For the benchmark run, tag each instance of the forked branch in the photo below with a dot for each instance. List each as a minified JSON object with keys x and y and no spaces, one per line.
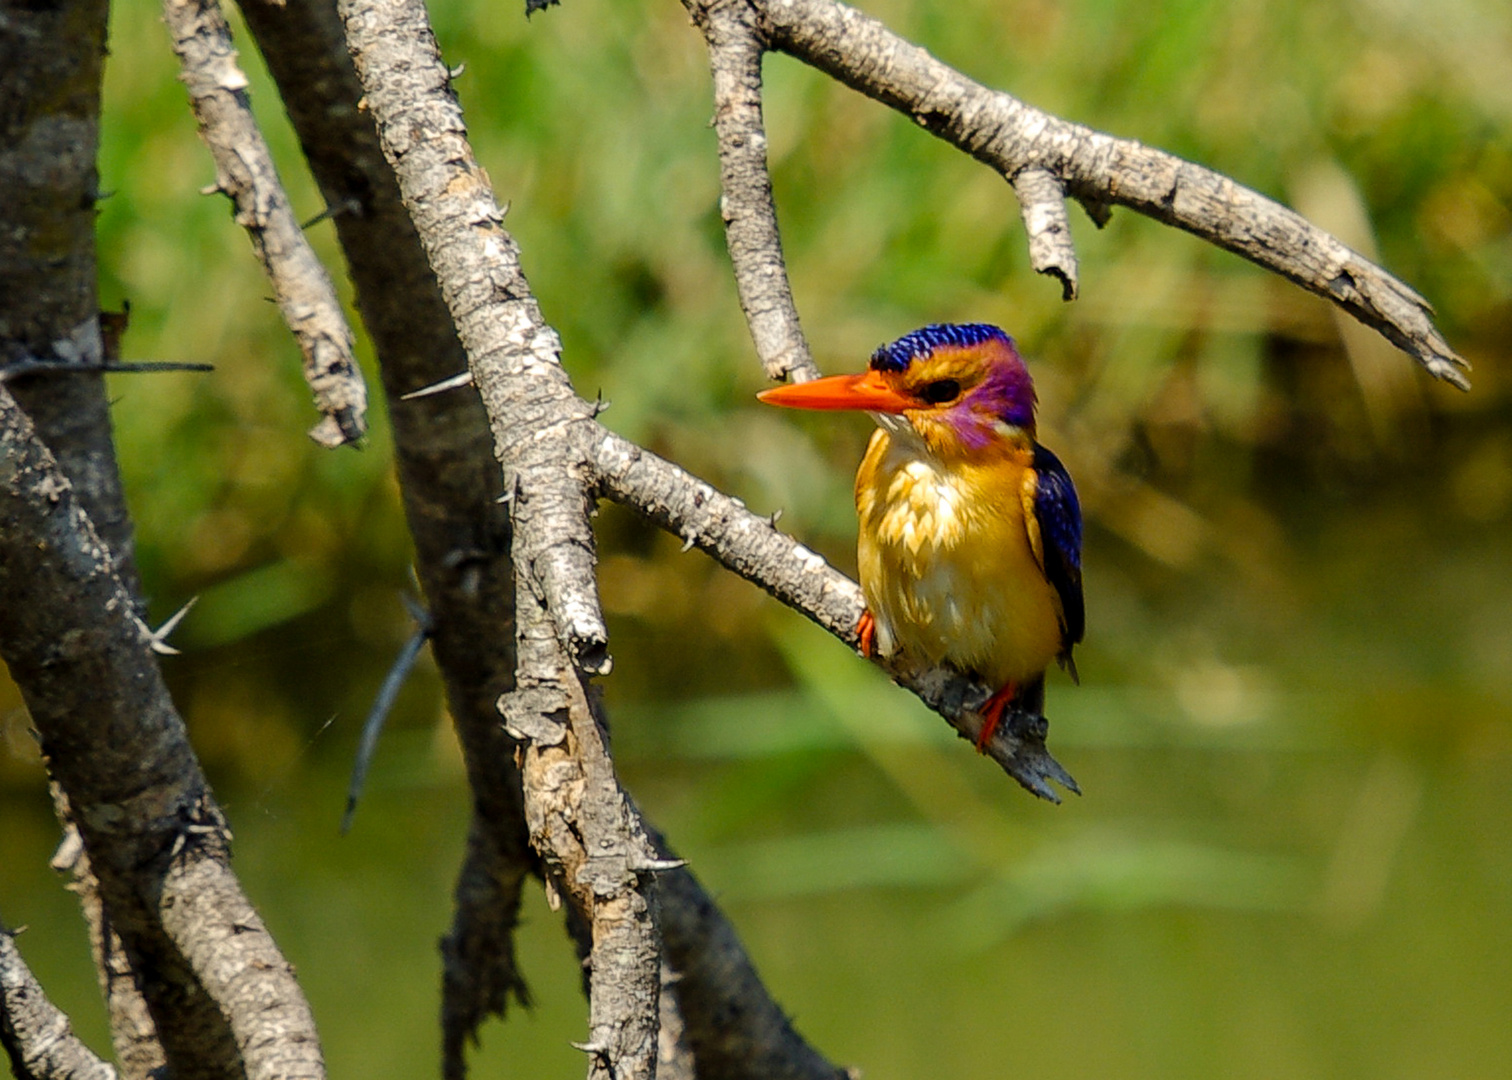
{"x":1045,"y":157}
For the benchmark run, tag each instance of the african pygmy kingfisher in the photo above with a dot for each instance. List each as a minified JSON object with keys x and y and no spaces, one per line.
{"x":969,"y":546}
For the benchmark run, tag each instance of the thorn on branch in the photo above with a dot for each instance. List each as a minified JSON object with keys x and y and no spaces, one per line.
{"x":158,"y":639}
{"x":453,"y":383}
{"x":346,"y":206}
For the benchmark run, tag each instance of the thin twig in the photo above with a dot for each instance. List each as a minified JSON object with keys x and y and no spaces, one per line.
{"x":33,"y":366}
{"x":245,"y":173}
{"x":745,"y":203}
{"x":1101,"y":170}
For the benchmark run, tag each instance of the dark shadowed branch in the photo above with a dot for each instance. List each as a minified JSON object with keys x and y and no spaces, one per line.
{"x":221,"y":996}
{"x":244,"y":171}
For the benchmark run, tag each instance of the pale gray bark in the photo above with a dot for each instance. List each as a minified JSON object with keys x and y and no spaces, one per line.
{"x":244,"y":171}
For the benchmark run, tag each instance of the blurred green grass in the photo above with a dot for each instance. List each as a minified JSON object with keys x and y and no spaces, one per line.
{"x":1295,"y":734}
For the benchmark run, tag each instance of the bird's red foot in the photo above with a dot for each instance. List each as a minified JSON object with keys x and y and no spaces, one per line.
{"x":866,"y":630}
{"x":992,"y":714}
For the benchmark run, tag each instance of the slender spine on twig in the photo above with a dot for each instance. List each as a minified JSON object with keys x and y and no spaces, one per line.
{"x":246,"y":174}
{"x":736,"y":47}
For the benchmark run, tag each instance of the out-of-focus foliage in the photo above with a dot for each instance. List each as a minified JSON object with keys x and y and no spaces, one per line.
{"x":1295,"y":732}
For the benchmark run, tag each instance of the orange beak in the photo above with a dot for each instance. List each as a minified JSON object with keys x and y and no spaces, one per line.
{"x":866,"y":391}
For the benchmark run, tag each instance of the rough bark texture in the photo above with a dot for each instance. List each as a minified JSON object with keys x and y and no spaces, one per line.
{"x":36,"y":1035}
{"x":244,"y":170}
{"x":52,"y":58}
{"x":595,"y":848}
{"x":222,"y":998}
{"x":1042,"y":200}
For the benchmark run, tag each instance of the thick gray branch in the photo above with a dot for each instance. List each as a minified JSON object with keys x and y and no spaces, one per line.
{"x":245,"y":172}
{"x":593,"y":844}
{"x":745,"y":202}
{"x":222,"y":997}
{"x":514,"y":355}
{"x":1101,"y":170}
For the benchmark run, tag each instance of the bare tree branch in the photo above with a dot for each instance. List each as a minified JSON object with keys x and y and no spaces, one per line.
{"x":514,"y":355}
{"x":1101,"y":170}
{"x":221,"y":996}
{"x":766,"y":297}
{"x":246,"y":174}
{"x":36,"y":1034}
{"x":576,"y":812}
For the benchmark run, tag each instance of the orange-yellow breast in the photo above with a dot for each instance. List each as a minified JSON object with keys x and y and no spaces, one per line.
{"x":946,"y":562}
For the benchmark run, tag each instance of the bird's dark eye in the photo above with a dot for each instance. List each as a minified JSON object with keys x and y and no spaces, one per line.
{"x":941,"y":391}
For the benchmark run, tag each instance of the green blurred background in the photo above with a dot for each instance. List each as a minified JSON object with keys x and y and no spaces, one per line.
{"x":1293,"y":858}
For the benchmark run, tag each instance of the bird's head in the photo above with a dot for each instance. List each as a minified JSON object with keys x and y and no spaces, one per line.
{"x":962,"y":389}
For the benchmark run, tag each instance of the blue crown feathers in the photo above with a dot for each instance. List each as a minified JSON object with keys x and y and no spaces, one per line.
{"x":899,"y":354}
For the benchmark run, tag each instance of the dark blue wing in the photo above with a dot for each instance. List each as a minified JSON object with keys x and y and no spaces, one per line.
{"x":1058,"y":514}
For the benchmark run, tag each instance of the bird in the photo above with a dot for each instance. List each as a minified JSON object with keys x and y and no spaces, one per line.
{"x":969,"y":531}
